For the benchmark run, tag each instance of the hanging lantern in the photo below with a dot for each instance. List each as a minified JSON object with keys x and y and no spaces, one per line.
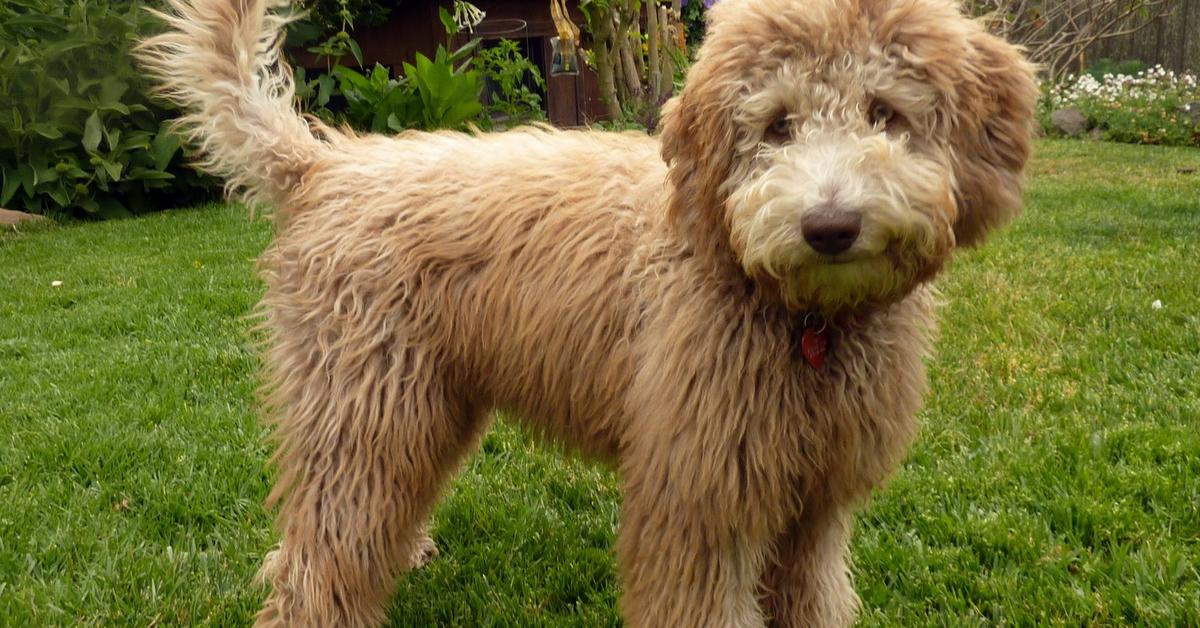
{"x":564,"y":58}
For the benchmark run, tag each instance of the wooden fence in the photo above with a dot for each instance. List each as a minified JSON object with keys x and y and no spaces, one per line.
{"x":1173,"y":41}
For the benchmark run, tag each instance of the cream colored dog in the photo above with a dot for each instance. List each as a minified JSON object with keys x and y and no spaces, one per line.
{"x":735,"y":313}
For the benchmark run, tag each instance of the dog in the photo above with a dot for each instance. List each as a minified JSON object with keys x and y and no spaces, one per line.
{"x":734,"y":313}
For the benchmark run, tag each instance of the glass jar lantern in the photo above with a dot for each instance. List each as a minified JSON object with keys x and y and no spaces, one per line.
{"x":564,"y":59}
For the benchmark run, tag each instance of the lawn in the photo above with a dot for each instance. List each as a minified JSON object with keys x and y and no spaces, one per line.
{"x":1056,"y":479}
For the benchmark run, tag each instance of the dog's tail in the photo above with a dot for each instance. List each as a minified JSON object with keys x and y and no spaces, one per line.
{"x":220,"y":62}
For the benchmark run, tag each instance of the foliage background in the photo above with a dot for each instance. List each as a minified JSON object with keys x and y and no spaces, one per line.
{"x":78,"y":132}
{"x":81,"y":135}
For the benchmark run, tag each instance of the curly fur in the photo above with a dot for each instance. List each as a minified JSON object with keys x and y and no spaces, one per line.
{"x":639,"y":299}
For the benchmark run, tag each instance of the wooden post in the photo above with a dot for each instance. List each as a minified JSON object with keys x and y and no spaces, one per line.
{"x":1181,"y":65}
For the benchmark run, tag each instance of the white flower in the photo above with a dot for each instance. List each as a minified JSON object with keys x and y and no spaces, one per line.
{"x":466,"y":15}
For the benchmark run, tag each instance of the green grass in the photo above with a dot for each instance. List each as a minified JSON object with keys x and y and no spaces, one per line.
{"x":1056,"y":480}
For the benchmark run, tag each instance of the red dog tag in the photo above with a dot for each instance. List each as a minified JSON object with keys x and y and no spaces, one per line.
{"x":814,"y":344}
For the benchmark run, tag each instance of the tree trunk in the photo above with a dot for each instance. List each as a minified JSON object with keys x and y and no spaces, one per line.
{"x":652,"y":34}
{"x":631,"y":83}
{"x":601,"y":39}
{"x":635,"y":42}
{"x":668,"y":46}
{"x":614,"y":57}
{"x":633,"y":78}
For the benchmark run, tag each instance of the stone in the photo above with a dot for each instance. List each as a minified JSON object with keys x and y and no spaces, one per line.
{"x":12,"y":219}
{"x":1070,"y":121}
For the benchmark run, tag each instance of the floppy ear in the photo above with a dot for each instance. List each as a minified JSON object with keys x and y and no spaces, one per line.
{"x":995,"y":128}
{"x":697,"y":145}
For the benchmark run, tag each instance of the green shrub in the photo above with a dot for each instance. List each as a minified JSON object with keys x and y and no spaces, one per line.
{"x":78,"y":133}
{"x":692,"y":13}
{"x":438,"y":93}
{"x":1103,"y":67}
{"x":1147,"y":107}
{"x":509,"y":73}
{"x":328,"y":16}
{"x":432,"y":94}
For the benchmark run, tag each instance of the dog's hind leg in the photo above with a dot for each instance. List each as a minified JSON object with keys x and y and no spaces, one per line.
{"x":808,"y":582}
{"x":368,"y":442}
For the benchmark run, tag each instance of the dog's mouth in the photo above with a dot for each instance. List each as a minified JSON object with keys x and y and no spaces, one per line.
{"x":841,"y":259}
{"x":842,"y":265}
{"x":880,"y":266}
{"x":850,"y":281}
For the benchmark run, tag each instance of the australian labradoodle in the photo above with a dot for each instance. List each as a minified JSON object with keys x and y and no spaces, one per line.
{"x":735,"y":312}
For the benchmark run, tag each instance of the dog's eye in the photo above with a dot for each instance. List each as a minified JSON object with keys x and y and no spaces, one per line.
{"x":882,"y":113}
{"x":779,"y":131}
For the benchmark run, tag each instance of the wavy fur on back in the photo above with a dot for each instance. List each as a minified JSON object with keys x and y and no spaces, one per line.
{"x":640,"y":300}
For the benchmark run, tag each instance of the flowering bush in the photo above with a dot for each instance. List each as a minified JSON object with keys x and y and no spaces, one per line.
{"x":1147,"y":107}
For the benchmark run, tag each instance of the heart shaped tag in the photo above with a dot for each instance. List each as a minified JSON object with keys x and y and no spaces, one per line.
{"x":813,"y":345}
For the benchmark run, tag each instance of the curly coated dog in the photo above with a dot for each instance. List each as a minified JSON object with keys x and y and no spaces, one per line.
{"x":735,"y":313}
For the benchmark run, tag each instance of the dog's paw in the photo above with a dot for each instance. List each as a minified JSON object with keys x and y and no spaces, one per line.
{"x":423,"y":551}
{"x":270,"y":565}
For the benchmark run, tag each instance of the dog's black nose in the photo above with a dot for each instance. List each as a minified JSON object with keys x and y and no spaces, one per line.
{"x":830,"y":230}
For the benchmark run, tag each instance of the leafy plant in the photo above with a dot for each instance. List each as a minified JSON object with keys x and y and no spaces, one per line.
{"x":437,"y":93}
{"x":432,"y":94}
{"x":78,"y":134}
{"x":509,"y":74}
{"x":449,"y":96}
{"x":373,"y":98}
{"x":313,"y":95}
{"x":692,"y":14}
{"x":331,"y":16}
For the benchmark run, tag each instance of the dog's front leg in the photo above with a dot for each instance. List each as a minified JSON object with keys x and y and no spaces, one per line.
{"x":682,"y":563}
{"x":807,"y":584}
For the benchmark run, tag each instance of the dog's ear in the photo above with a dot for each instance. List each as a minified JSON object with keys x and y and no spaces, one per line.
{"x":697,"y":145}
{"x":997,"y":97}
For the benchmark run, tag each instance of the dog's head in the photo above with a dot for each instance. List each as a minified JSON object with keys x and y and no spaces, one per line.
{"x":840,"y":149}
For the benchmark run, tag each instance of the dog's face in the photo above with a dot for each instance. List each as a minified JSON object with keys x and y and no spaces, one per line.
{"x":840,"y":149}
